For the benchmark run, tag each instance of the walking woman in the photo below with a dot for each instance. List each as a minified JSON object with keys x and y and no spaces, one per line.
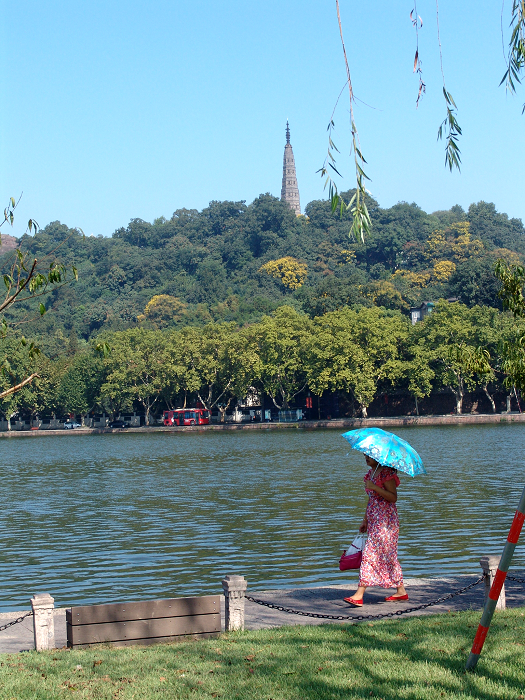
{"x":380,"y":566}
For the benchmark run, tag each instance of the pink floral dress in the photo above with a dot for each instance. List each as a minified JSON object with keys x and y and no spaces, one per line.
{"x":380,"y":566}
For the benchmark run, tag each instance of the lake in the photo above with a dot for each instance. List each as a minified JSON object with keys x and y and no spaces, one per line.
{"x":100,"y":518}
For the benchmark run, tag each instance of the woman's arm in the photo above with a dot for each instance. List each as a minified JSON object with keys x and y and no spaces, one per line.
{"x":364,"y":525}
{"x":389,"y":492}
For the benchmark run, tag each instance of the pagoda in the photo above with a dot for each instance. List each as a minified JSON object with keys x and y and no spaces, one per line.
{"x":289,"y":190}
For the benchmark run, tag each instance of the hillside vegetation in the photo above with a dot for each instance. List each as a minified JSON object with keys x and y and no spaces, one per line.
{"x":233,"y":262}
{"x":209,"y":305}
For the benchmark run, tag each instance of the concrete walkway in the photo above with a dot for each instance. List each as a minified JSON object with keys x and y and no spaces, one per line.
{"x":326,"y":600}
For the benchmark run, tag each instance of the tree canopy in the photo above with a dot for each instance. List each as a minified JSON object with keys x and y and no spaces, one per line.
{"x":237,"y":262}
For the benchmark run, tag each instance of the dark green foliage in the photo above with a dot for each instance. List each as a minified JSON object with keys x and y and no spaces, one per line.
{"x":450,"y":216}
{"x":80,"y":384}
{"x":210,"y":261}
{"x":333,"y":292}
{"x":495,"y":229}
{"x":474,"y":283}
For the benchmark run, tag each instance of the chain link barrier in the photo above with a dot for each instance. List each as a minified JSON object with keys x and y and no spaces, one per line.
{"x":15,"y":622}
{"x":358,"y":618}
{"x":322,"y":616}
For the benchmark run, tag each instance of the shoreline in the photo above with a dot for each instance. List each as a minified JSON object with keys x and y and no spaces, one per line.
{"x":323,"y":600}
{"x":334,"y":423}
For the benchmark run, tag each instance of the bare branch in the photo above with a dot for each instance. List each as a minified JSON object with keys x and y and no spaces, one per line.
{"x":22,"y":384}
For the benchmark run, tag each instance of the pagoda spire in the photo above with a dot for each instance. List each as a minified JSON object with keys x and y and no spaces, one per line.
{"x":289,"y":189}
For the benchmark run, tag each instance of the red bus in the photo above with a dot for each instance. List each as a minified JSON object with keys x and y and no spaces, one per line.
{"x":187,"y":416}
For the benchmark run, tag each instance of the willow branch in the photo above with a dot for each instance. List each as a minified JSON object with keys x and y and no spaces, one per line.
{"x":17,"y":387}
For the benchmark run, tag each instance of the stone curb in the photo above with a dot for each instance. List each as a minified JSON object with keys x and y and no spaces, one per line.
{"x":326,"y":600}
{"x":336,"y":424}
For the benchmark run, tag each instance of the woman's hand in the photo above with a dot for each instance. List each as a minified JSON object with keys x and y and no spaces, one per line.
{"x":388,"y":492}
{"x":364,"y":526}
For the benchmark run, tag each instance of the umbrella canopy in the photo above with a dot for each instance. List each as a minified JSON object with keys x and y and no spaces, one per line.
{"x":387,"y":449}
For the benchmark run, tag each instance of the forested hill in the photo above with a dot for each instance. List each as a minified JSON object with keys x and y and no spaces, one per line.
{"x":236,"y":262}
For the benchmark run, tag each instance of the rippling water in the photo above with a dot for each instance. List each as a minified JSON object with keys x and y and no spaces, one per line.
{"x":100,"y":518}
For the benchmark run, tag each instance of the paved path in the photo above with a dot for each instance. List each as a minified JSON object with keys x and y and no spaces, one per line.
{"x":326,"y":600}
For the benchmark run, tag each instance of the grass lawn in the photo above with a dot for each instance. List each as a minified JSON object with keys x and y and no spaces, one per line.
{"x":415,"y":658}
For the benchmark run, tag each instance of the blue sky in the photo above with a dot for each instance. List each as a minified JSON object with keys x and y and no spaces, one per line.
{"x":116,"y":110}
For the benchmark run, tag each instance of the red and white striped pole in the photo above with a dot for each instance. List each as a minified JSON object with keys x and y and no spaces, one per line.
{"x":497,"y":585}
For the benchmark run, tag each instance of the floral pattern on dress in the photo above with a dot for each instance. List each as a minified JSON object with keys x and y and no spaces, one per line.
{"x":379,"y":566}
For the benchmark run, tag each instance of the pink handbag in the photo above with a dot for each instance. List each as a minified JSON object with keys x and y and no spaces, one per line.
{"x":351,"y":557}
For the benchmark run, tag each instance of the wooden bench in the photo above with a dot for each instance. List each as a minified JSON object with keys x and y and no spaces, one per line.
{"x":145,"y":622}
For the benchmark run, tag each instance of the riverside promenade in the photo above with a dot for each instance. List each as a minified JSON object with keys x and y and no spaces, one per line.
{"x":333,"y":423}
{"x":326,"y":600}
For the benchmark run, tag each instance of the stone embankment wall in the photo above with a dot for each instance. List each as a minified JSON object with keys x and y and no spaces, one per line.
{"x":336,"y":423}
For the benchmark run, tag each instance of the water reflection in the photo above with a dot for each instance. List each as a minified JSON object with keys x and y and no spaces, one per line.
{"x":109,"y":517}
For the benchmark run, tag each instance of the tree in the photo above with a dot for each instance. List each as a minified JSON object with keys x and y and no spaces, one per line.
{"x":211,"y":281}
{"x":344,"y":288}
{"x":138,"y":368}
{"x":355,"y":351}
{"x":512,"y":278}
{"x":417,"y":372}
{"x":454,"y":337}
{"x":282,"y":341}
{"x":14,"y":389}
{"x":268,"y":222}
{"x":219,"y":363}
{"x":384,"y":293}
{"x":79,"y":387}
{"x":289,"y":271}
{"x":25,"y":279}
{"x":495,"y":229}
{"x":474,"y":282}
{"x":163,"y":310}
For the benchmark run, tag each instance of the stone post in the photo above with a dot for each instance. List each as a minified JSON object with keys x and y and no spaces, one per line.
{"x":43,"y":621}
{"x":489,"y":566}
{"x":234,"y":592}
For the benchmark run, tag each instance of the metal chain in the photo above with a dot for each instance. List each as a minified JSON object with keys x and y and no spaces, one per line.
{"x":366,"y":617}
{"x":513,"y":578}
{"x":329,"y":617}
{"x":15,"y":622}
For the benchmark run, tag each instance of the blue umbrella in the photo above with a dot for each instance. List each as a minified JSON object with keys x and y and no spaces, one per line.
{"x":387,"y":449}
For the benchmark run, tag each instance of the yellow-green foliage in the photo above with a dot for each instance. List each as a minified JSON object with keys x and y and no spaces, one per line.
{"x":288,"y":270}
{"x":163,"y":309}
{"x":415,"y":279}
{"x":453,"y":244}
{"x":443,"y":270}
{"x":509,"y":256}
{"x":348,"y":255}
{"x":383,"y":293}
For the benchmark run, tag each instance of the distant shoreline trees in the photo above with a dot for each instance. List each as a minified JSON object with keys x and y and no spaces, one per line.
{"x":359,"y":352}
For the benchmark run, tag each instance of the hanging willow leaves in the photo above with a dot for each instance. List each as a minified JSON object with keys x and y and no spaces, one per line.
{"x":449,"y":126}
{"x":512,"y":278}
{"x":452,"y":131}
{"x":516,"y":56}
{"x":417,"y":23}
{"x":361,"y":222}
{"x":26,"y":279}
